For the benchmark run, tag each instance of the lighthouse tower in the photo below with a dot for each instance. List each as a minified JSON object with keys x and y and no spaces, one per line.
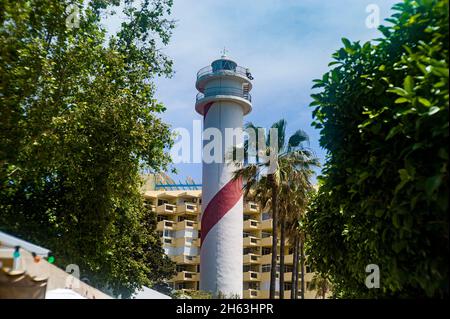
{"x":223,"y":100}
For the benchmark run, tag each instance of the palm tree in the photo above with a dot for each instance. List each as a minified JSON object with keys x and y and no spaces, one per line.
{"x":302,"y":263}
{"x":284,"y":203}
{"x":286,"y":208}
{"x":296,"y":192}
{"x":286,"y":156}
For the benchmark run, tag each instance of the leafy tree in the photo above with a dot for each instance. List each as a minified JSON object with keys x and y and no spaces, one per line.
{"x":78,"y":122}
{"x":383,"y":115}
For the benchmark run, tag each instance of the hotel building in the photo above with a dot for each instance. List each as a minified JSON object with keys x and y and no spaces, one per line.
{"x":178,"y":215}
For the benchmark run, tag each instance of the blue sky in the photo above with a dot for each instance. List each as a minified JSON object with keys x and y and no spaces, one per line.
{"x":285,"y":43}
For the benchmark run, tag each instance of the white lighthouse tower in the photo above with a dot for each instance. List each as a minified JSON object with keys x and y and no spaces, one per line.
{"x":223,"y":101}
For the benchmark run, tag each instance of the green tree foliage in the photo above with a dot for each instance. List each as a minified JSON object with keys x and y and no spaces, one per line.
{"x":383,"y":115}
{"x":78,"y":122}
{"x":191,"y":294}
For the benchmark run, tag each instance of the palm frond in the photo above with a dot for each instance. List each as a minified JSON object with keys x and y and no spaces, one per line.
{"x":297,"y":138}
{"x":280,"y":127}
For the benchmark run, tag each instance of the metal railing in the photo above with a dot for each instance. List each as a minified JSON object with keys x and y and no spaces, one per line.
{"x":207,"y":70}
{"x":224,"y":91}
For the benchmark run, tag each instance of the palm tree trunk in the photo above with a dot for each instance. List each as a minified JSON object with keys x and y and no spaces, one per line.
{"x":302,"y":266}
{"x":282,"y":247}
{"x":273,"y":269}
{"x":294,"y":289}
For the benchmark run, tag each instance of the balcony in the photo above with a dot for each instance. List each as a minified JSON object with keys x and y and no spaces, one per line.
{"x":186,"y":276}
{"x":185,"y":224}
{"x":287,"y":277}
{"x":266,"y":224}
{"x":251,"y":293}
{"x":196,"y":242}
{"x":189,"y":286}
{"x":287,"y":294}
{"x":251,"y":241}
{"x":250,"y":224}
{"x":165,"y":224}
{"x":265,"y":276}
{"x":264,"y":294}
{"x":186,"y":241}
{"x":266,"y":241}
{"x":149,"y":206}
{"x":251,"y":276}
{"x":251,"y":259}
{"x":289,"y":259}
{"x":309,"y":294}
{"x":250,"y":207}
{"x":167,"y":241}
{"x":266,"y":259}
{"x":166,"y":209}
{"x":183,"y":259}
{"x":189,"y":208}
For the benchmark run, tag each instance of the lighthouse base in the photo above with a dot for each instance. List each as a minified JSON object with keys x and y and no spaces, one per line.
{"x":221,"y":256}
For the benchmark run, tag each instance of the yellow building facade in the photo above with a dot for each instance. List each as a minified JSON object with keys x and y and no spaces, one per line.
{"x":179,"y":226}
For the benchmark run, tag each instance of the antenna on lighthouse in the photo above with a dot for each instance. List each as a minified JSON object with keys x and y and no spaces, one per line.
{"x":224,"y":53}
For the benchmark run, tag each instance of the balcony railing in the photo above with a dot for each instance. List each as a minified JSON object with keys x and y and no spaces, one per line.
{"x":266,"y":259}
{"x":251,"y":276}
{"x":266,"y":241}
{"x":266,"y":224}
{"x":187,"y":208}
{"x":251,"y":241}
{"x":166,"y":208}
{"x":186,"y":241}
{"x":185,"y":224}
{"x":250,"y":224}
{"x":186,"y":276}
{"x":251,"y":259}
{"x":250,"y":207}
{"x":239,"y":70}
{"x":196,"y":242}
{"x":165,"y":224}
{"x":213,"y":91}
{"x":251,"y":293}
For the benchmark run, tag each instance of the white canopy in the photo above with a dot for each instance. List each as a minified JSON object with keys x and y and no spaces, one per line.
{"x":147,"y":293}
{"x":11,"y":241}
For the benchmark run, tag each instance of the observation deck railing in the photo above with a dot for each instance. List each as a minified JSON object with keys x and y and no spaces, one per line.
{"x":224,"y":91}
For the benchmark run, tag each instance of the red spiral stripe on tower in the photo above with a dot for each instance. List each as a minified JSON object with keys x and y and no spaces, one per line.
{"x":207,"y":107}
{"x":220,"y":205}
